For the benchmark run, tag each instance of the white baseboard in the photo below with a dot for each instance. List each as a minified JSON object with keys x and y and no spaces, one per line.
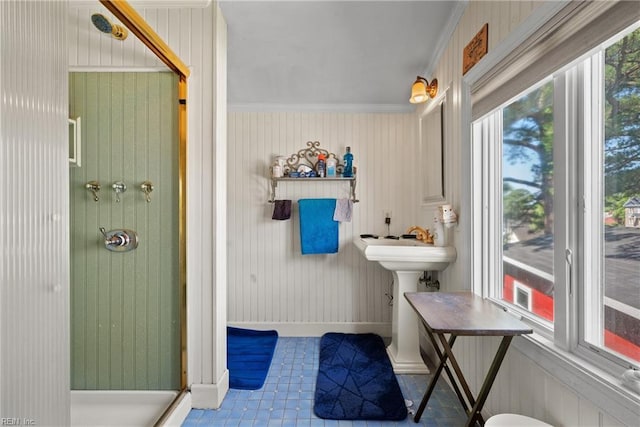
{"x":210,"y":396}
{"x":290,"y":329}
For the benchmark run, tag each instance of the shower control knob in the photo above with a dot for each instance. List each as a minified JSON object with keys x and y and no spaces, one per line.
{"x":120,"y":240}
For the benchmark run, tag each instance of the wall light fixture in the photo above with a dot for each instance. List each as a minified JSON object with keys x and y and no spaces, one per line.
{"x":422,"y":90}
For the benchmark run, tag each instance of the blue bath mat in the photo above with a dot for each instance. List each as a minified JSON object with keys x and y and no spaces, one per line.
{"x":356,"y":380}
{"x":249,"y":355}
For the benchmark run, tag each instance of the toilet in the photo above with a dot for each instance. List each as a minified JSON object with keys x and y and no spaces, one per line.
{"x":514,"y":420}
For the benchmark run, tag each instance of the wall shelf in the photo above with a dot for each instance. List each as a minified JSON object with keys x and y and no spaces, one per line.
{"x":351,"y":181}
{"x":307,"y":159}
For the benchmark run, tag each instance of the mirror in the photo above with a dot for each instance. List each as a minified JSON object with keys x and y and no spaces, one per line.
{"x":431,"y":136}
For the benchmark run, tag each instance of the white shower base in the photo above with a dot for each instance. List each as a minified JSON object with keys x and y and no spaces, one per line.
{"x":118,"y":408}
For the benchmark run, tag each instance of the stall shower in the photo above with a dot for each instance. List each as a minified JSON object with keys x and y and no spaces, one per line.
{"x":124,"y":203}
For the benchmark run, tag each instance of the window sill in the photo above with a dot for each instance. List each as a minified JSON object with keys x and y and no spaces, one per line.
{"x":599,"y":387}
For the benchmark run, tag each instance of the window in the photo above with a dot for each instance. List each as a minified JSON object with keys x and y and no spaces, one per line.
{"x":612,"y":233}
{"x":559,"y":192}
{"x":527,"y":200}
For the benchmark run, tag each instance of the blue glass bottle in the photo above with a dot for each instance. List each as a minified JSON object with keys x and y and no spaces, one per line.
{"x":348,"y":164}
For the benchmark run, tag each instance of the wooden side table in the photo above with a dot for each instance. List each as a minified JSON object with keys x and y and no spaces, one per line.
{"x":463,"y":314}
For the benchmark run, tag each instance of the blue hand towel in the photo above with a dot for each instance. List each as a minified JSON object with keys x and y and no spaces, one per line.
{"x":318,"y":230}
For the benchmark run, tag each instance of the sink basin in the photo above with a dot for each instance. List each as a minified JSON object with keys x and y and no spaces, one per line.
{"x":406,"y":254}
{"x":406,"y":259}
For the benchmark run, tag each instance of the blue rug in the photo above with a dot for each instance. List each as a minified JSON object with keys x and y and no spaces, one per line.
{"x":356,"y":380}
{"x":249,"y":355}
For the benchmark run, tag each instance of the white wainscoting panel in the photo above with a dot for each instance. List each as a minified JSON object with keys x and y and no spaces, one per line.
{"x":34,"y":214}
{"x":269,"y":280}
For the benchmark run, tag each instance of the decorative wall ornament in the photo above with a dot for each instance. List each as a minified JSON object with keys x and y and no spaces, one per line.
{"x":476,"y":49}
{"x":309,"y":157}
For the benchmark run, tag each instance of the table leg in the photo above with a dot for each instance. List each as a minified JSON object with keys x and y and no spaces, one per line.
{"x":488,"y":382}
{"x":432,"y":384}
{"x":454,"y":384}
{"x":463,"y":382}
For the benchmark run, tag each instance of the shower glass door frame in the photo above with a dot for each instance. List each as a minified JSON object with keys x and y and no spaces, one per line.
{"x":138,"y":26}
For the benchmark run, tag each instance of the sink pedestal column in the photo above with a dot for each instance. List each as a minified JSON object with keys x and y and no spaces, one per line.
{"x":406,"y":259}
{"x":404,"y":350}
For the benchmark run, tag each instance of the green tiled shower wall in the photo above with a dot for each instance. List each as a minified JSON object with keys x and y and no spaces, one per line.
{"x":125,"y":322}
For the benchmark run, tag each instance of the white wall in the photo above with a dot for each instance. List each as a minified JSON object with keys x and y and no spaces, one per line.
{"x":34,"y":214}
{"x":198,"y":36}
{"x":522,"y":385}
{"x":270,"y":283}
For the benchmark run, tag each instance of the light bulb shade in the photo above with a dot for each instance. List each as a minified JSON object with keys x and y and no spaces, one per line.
{"x":418,"y":92}
{"x":422,"y":90}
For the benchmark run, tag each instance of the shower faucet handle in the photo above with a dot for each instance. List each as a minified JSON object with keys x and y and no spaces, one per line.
{"x":147,"y":188}
{"x":119,"y":187}
{"x":94,"y":187}
{"x":120,"y":240}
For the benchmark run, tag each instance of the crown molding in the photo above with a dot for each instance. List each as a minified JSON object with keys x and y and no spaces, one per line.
{"x":149,"y":4}
{"x":320,"y":108}
{"x":445,"y":37}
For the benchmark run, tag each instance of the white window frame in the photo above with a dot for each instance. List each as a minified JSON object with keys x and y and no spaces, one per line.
{"x":591,"y":193}
{"x":488,"y":168}
{"x":564,"y":354}
{"x":591,"y":153}
{"x":578,"y":195}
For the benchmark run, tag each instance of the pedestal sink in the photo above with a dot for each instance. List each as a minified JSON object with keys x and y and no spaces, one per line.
{"x":406,"y":259}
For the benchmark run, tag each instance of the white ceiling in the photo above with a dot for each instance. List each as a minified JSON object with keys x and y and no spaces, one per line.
{"x":336,"y":55}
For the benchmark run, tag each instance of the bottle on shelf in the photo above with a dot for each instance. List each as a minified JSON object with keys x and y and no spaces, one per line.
{"x":321,"y":166}
{"x":348,"y":164}
{"x":331,"y":167}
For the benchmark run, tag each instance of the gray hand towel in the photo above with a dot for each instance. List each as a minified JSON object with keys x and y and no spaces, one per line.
{"x":344,"y":207}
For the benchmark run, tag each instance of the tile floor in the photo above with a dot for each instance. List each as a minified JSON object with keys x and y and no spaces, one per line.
{"x":286,"y":399}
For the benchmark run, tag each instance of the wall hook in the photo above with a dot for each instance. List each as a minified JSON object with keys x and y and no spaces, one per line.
{"x":94,"y":187}
{"x":147,"y":188}
{"x":119,"y":187}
